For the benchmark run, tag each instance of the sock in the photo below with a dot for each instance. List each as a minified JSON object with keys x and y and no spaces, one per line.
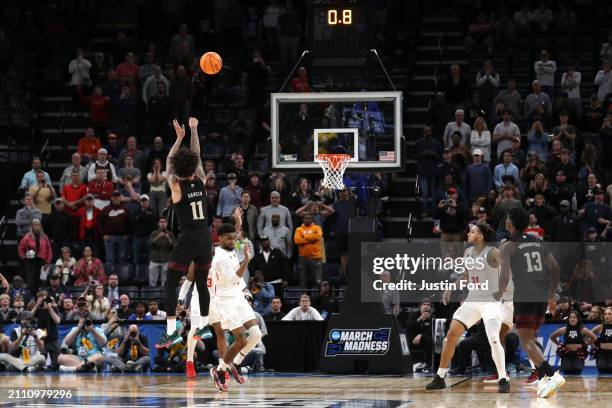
{"x":239,"y":357}
{"x":544,"y":369}
{"x":533,"y":367}
{"x":184,"y":289}
{"x":191,"y":343}
{"x":222,"y":365}
{"x":442,"y":372}
{"x":67,"y":369}
{"x":195,"y":322}
{"x":203,"y":322}
{"x":170,"y":325}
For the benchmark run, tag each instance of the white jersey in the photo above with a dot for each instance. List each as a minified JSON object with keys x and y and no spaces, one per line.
{"x":480,"y":273}
{"x":224,"y":266}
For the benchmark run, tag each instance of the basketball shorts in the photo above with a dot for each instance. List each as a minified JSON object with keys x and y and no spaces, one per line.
{"x":234,"y":311}
{"x":529,"y":315}
{"x":507,"y":313}
{"x":469,"y":313}
{"x":213,"y":315}
{"x":191,"y":246}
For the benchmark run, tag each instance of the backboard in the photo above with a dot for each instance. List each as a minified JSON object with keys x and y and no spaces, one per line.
{"x":366,"y":125}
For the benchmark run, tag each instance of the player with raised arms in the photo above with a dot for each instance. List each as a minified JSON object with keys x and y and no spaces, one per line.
{"x":194,"y":244}
{"x":479,"y":304}
{"x":535,"y":275}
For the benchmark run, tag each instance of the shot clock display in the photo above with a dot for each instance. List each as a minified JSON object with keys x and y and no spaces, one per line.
{"x":339,"y":31}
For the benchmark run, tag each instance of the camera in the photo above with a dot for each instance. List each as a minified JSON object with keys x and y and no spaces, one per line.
{"x":48,"y":299}
{"x":133,"y":334}
{"x":88,"y":322}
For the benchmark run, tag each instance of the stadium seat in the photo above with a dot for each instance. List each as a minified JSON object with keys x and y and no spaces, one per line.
{"x":213,"y":152}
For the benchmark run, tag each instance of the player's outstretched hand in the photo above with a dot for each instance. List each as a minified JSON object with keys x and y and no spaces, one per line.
{"x":238,"y":217}
{"x":180,"y":130}
{"x":245,"y":251}
{"x":193,"y":123}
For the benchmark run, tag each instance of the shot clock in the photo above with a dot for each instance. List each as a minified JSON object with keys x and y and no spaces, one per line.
{"x":339,"y":30}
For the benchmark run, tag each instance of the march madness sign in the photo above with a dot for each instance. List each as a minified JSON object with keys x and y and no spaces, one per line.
{"x":358,"y":342}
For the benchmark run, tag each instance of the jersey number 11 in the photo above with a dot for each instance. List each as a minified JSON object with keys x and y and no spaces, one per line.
{"x":197,"y":210}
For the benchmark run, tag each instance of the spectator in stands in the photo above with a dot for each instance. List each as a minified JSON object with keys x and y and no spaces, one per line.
{"x":288,"y":32}
{"x":265,"y":215}
{"x":29,"y":178}
{"x":440,"y":113}
{"x":25,"y":216}
{"x":101,"y":189}
{"x":487,"y":83}
{"x":302,"y":195}
{"x":561,"y":190}
{"x":456,"y":88}
{"x":539,"y":185}
{"x":582,"y":284}
{"x":503,"y":134}
{"x":319,"y":211}
{"x":481,"y":139}
{"x":43,"y":195}
{"x":89,"y":227}
{"x":6,"y":313}
{"x":535,"y":99}
{"x":596,"y":214}
{"x":505,"y":168}
{"x":255,"y":80}
{"x":503,"y":208}
{"x":479,"y":179}
{"x":27,"y":345}
{"x":74,"y":193}
{"x":518,"y":154}
{"x":103,"y":163}
{"x":606,"y":48}
{"x":35,"y":251}
{"x":140,"y":313}
{"x":132,"y":353}
{"x":452,"y":214}
{"x":19,"y":297}
{"x":88,"y":342}
{"x":124,"y":311}
{"x":281,"y":185}
{"x":272,"y":262}
{"x":89,"y":269}
{"x":566,"y":165}
{"x":593,"y":116}
{"x":113,"y":148}
{"x":566,"y":134}
{"x":99,"y":109}
{"x":161,"y":243}
{"x":112,"y":290}
{"x":538,"y":141}
{"x":159,"y":110}
{"x":60,"y":228}
{"x":159,"y":152}
{"x":565,"y":227}
{"x":279,"y":235}
{"x":570,"y":83}
{"x":237,"y":167}
{"x":129,"y":171}
{"x":390,"y":298}
{"x":214,"y":227}
{"x":545,"y":73}
{"x":154,"y":313}
{"x":115,"y":224}
{"x":99,"y":70}
{"x":146,"y":70}
{"x":542,"y":17}
{"x":66,"y":178}
{"x":56,"y":289}
{"x":523,"y":18}
{"x":325,"y":301}
{"x":419,"y":331}
{"x":458,"y":125}
{"x":150,"y":87}
{"x":299,"y":83}
{"x":127,"y":71}
{"x":304,"y":311}
{"x":533,"y":228}
{"x":262,"y":291}
{"x":249,"y":216}
{"x":229,"y":198}
{"x":511,"y":99}
{"x":256,"y":190}
{"x":100,"y":304}
{"x":133,"y":150}
{"x":89,"y":145}
{"x":182,"y":44}
{"x":308,"y":240}
{"x":428,"y":154}
{"x":276,"y":313}
{"x":181,"y":95}
{"x":212,"y":192}
{"x":157,"y":192}
{"x":603,"y":80}
{"x":79,"y":75}
{"x":142,"y":225}
{"x":66,"y":308}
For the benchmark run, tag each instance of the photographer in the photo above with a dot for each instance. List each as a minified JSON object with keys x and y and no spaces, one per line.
{"x":262,"y":291}
{"x":26,"y":347}
{"x":114,"y":333}
{"x":453,"y":217}
{"x":46,"y":311}
{"x":132,"y":353}
{"x":86,"y":342}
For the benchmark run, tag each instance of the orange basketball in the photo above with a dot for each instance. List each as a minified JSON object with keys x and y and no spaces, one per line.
{"x":211,"y":63}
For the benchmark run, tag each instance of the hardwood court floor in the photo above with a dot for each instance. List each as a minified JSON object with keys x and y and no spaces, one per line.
{"x":299,"y":390}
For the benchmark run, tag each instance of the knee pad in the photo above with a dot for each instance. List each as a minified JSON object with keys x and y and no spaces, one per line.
{"x":254,"y":333}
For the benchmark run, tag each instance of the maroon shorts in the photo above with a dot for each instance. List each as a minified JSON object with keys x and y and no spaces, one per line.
{"x":529,"y":315}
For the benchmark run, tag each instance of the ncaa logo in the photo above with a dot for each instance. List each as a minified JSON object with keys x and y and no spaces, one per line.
{"x":334,"y":335}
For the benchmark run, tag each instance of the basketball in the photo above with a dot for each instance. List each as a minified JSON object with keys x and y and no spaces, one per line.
{"x":211,"y":63}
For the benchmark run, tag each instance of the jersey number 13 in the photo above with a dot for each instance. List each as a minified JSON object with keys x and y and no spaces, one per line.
{"x":197,"y":210}
{"x":534,"y":261}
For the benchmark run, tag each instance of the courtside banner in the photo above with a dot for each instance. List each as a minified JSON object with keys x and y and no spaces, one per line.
{"x":410,"y":272}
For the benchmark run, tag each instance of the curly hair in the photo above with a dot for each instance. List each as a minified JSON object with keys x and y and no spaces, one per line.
{"x":184,"y":162}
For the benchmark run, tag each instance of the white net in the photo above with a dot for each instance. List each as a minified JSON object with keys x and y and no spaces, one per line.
{"x":333,"y":166}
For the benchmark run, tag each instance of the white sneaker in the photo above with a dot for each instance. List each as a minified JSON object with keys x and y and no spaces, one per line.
{"x":558,"y":379}
{"x":547,"y":387}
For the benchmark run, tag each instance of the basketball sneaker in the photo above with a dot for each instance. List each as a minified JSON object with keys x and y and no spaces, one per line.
{"x":169,"y":341}
{"x":190,"y":370}
{"x":547,"y":387}
{"x":437,"y":383}
{"x":559,"y":380}
{"x":503,"y":386}
{"x":532,"y":379}
{"x":492,"y":379}
{"x":203,"y":333}
{"x":219,"y":378}
{"x":235,"y":373}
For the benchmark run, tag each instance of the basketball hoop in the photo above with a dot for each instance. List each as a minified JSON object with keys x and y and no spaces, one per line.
{"x":333,"y":166}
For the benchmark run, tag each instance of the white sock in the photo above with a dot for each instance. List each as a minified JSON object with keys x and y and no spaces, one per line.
{"x":170,"y":325}
{"x":533,"y":367}
{"x":442,"y":372}
{"x":203,"y":321}
{"x":191,"y":343}
{"x":66,"y":369}
{"x":492,"y":327}
{"x":184,"y":289}
{"x":222,"y":365}
{"x":239,"y":357}
{"x":195,"y":322}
